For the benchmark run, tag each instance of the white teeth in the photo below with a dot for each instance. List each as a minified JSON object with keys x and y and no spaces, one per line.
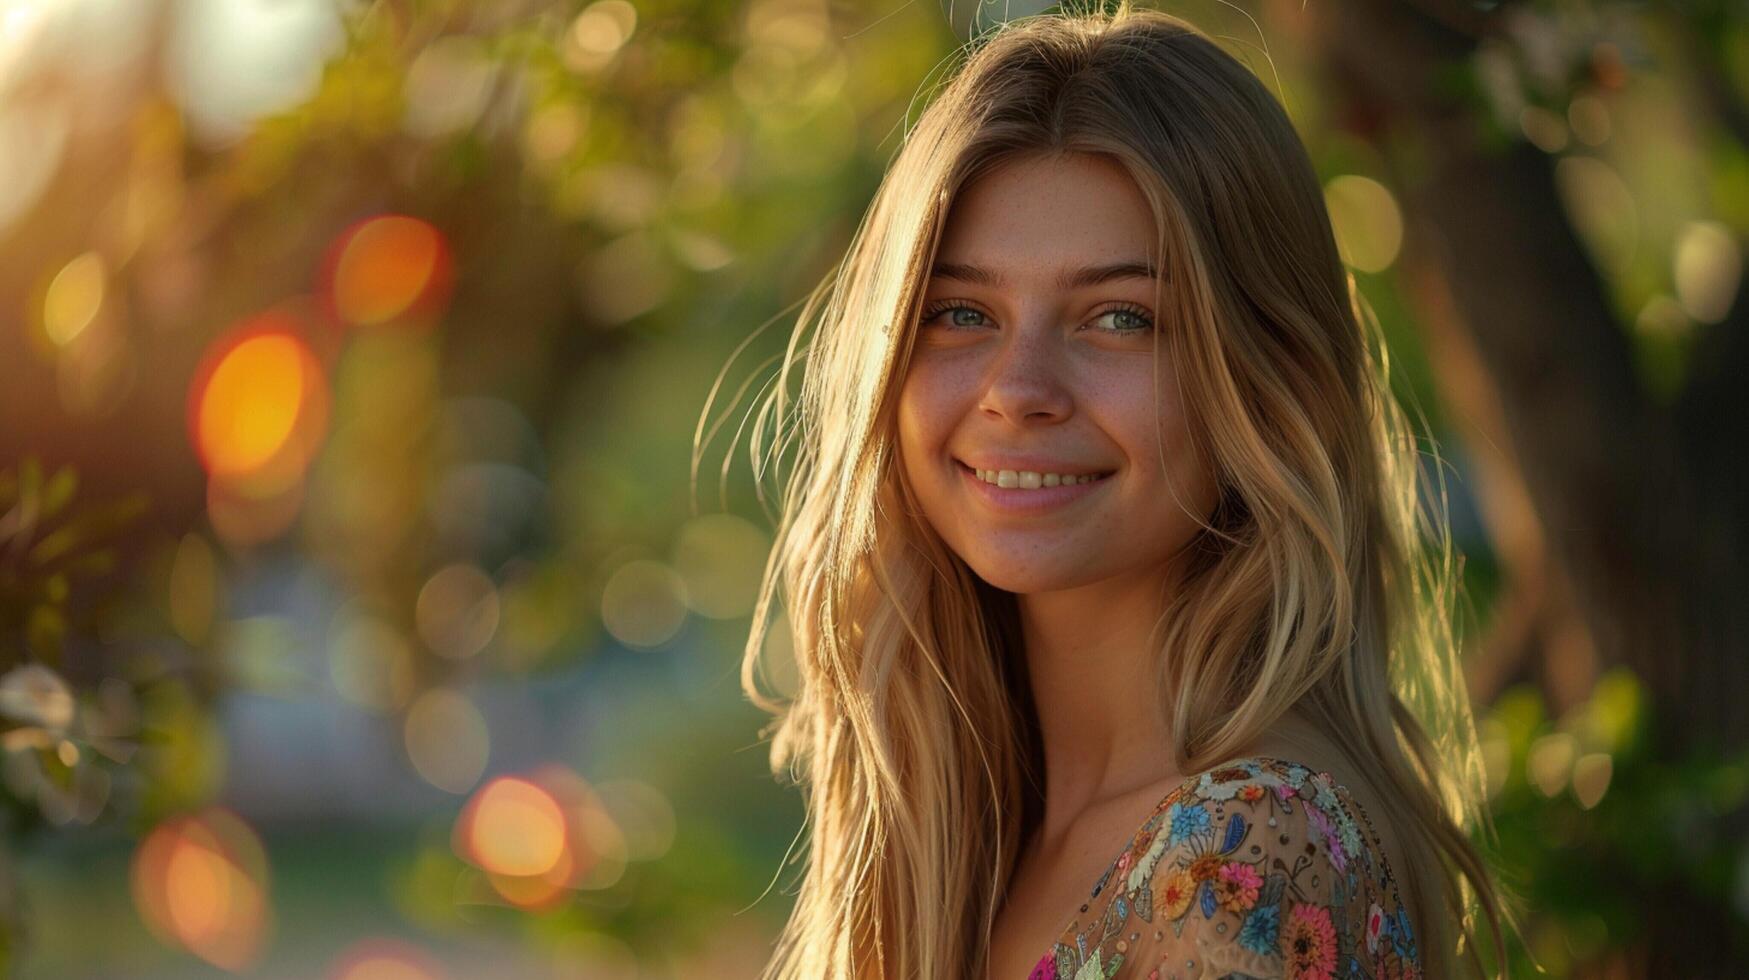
{"x":1028,"y":480}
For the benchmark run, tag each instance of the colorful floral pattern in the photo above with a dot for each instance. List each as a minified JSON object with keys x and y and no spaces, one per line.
{"x":1236,"y":886}
{"x":1258,"y":868}
{"x":1310,"y":943}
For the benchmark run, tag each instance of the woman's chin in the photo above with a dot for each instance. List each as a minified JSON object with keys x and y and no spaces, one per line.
{"x":1030,"y":582}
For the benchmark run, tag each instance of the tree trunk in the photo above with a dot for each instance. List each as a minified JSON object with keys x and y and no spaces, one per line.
{"x":1644,"y":507}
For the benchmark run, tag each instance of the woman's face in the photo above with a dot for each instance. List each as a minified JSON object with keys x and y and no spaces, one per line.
{"x":1034,"y":355}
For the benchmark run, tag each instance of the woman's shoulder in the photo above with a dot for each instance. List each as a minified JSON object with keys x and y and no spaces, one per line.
{"x":1261,"y":866}
{"x":1325,"y":891}
{"x":1297,"y":808}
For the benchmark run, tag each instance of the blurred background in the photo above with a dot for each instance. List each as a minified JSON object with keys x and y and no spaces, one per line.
{"x":363,"y":616}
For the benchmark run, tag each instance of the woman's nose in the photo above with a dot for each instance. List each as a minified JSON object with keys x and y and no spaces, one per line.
{"x":1027,"y":380}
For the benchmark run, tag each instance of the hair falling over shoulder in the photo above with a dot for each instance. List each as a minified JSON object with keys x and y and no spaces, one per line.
{"x":1320,"y":582}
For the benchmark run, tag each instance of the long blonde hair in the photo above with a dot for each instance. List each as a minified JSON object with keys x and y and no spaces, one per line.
{"x":911,"y":730}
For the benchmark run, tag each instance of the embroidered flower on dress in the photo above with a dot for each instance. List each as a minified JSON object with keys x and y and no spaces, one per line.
{"x":1236,"y":886}
{"x":1375,"y":922}
{"x":1251,"y":793}
{"x":1145,"y":866}
{"x":1221,"y":784}
{"x":1175,"y":894}
{"x":1206,"y":867}
{"x":1309,"y":943}
{"x":1258,"y":934}
{"x":1332,"y":841}
{"x":1186,"y":821}
{"x":1350,"y":831}
{"x":1218,"y":792}
{"x":1046,"y":968}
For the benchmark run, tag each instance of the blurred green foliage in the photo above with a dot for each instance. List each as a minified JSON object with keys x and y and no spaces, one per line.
{"x":1593,"y":824}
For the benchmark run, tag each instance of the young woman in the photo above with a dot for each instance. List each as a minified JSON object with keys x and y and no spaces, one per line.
{"x":1118,"y":650}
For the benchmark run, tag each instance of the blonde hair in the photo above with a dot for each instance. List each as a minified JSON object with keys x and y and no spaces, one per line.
{"x":911,"y":731}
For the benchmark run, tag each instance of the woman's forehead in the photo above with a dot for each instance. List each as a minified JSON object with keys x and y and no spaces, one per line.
{"x":1049,"y":216}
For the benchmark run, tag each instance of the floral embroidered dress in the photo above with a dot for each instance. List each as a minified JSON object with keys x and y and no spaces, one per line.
{"x":1258,"y":868}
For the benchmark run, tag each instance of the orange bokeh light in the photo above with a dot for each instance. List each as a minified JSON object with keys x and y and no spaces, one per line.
{"x":540,"y":837}
{"x":258,"y":406}
{"x":548,"y":889}
{"x":512,"y":827}
{"x":385,"y":958}
{"x":200,"y":883}
{"x":536,"y":893}
{"x":251,"y":403}
{"x":387,"y":268}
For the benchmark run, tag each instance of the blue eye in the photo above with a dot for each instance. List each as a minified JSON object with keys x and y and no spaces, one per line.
{"x":962,"y":316}
{"x":1126,"y":319}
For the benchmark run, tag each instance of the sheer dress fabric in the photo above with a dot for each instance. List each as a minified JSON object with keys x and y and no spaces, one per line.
{"x":1259,"y":868}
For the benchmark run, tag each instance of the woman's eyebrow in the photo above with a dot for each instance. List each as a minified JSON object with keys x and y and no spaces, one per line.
{"x":1091,"y":275}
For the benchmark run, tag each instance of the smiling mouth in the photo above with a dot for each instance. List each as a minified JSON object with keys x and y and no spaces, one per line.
{"x":1030,"y":480}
